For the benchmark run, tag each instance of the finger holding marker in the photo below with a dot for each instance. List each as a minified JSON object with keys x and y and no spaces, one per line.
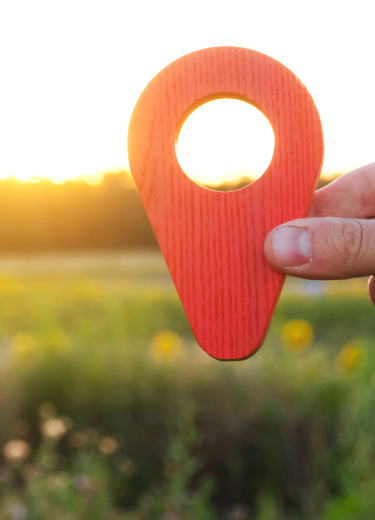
{"x":350,"y":196}
{"x":337,"y":240}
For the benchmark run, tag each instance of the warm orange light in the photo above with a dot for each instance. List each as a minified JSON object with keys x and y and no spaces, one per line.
{"x":224,"y":141}
{"x":94,"y":180}
{"x":66,"y":101}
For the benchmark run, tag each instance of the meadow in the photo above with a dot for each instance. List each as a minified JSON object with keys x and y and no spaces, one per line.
{"x":110,"y":410}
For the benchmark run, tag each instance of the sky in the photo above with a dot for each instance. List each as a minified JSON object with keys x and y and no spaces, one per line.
{"x":72,"y":71}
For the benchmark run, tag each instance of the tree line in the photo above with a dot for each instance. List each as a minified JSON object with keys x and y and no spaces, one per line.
{"x":44,"y":216}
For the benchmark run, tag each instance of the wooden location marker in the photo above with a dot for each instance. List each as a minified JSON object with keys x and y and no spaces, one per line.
{"x":213,"y":241}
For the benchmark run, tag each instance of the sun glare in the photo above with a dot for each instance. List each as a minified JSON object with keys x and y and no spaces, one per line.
{"x":225,"y":141}
{"x":93,"y":179}
{"x":73,"y":72}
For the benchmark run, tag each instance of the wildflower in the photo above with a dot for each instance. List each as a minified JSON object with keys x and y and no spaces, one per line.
{"x":55,"y":428}
{"x":108,"y":445}
{"x":350,"y":357}
{"x":297,"y":335}
{"x":166,"y":345}
{"x":16,"y":450}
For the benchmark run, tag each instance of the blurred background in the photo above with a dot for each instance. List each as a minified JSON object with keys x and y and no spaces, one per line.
{"x":108,"y":407}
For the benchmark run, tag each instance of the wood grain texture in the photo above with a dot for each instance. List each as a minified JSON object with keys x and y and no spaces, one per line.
{"x":213,"y":241}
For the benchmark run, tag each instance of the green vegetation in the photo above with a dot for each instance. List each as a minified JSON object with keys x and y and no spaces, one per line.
{"x":110,"y":410}
{"x":43,"y":216}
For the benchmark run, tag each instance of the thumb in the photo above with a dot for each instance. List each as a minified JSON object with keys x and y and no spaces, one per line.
{"x":323,"y":248}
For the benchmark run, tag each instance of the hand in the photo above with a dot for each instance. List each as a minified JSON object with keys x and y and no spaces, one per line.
{"x":337,"y":239}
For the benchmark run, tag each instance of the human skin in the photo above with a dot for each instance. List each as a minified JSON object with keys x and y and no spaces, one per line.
{"x":337,"y":239}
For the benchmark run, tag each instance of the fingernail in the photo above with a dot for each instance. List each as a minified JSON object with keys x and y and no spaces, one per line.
{"x":291,"y":246}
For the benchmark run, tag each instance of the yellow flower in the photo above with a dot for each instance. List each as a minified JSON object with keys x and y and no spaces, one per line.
{"x":297,"y":335}
{"x":16,"y":450}
{"x":24,"y":347}
{"x":350,"y":357}
{"x":28,"y":349}
{"x":166,"y":345}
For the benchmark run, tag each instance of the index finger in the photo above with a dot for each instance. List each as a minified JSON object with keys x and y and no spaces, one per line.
{"x":349,"y":196}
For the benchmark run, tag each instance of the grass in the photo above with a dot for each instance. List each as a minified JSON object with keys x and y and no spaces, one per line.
{"x":110,"y":410}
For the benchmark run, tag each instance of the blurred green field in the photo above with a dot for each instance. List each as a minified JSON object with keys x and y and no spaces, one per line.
{"x":110,"y":410}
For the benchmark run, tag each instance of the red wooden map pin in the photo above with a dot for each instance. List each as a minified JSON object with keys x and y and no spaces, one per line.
{"x":213,"y":241}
